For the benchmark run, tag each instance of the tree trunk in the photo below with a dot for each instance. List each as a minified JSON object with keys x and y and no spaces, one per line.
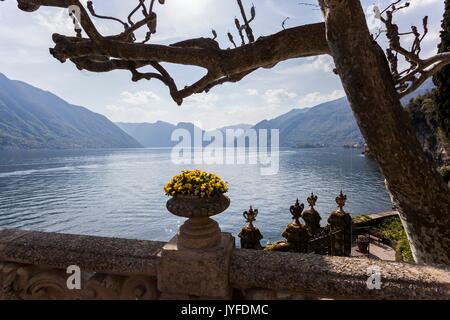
{"x":422,"y":197}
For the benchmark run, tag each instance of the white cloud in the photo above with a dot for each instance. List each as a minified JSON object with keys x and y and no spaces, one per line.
{"x":252,"y":92}
{"x":59,"y":21}
{"x":372,"y":16}
{"x":278,"y":96}
{"x":127,"y":113}
{"x":187,"y":19}
{"x":203,"y":98}
{"x":21,"y":57}
{"x":417,"y":4}
{"x":202,"y":101}
{"x":315,"y":98}
{"x":136,"y":106}
{"x":55,"y":21}
{"x":139,"y":98}
{"x":323,"y":63}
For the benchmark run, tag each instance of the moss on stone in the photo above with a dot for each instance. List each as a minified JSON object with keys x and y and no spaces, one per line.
{"x":362,"y":218}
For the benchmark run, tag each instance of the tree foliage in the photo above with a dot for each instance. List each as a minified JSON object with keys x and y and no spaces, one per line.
{"x":442,"y":79}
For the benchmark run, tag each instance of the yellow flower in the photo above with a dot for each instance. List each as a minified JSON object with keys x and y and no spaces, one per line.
{"x":195,"y":182}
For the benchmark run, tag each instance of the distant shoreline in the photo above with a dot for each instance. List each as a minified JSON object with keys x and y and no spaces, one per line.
{"x":17,"y":149}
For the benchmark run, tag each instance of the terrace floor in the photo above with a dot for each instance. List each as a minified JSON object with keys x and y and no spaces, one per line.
{"x":377,"y":251}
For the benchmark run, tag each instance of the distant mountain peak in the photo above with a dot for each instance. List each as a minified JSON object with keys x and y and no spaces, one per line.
{"x":31,"y":118}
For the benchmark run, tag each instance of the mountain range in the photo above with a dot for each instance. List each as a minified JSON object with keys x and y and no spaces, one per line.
{"x":31,"y":118}
{"x":328,"y":124}
{"x":331,"y":124}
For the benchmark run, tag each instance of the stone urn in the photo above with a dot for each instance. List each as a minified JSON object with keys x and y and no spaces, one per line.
{"x":362,"y":242}
{"x":199,"y":231}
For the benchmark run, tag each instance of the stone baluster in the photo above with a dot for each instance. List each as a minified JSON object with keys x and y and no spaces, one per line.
{"x":196,"y":262}
{"x":311,"y":216}
{"x":295,"y":233}
{"x":341,"y":229}
{"x":250,"y":235}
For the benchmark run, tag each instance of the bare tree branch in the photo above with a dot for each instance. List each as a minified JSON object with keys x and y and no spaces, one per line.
{"x":99,"y":53}
{"x":123,"y":51}
{"x":419,"y":69}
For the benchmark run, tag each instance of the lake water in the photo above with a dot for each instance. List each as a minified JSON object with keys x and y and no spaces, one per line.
{"x":120,"y":192}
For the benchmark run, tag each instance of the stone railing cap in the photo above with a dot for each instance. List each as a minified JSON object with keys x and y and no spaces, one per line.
{"x":337,"y":277}
{"x":99,"y":254}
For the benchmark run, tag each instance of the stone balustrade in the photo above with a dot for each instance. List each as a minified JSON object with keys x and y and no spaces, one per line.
{"x":33,"y":266}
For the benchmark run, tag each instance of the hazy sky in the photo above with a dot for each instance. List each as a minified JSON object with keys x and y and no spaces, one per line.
{"x":26,"y":37}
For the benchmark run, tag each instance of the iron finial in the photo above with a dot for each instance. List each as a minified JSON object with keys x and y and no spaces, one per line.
{"x":296,"y":211}
{"x":340,"y":200}
{"x":312,"y":199}
{"x":250,"y":216}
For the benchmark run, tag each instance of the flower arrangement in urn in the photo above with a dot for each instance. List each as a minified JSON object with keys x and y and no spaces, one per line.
{"x":197,"y":183}
{"x":197,"y":195}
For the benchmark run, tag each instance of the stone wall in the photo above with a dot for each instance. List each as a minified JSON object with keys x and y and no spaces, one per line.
{"x":33,"y":265}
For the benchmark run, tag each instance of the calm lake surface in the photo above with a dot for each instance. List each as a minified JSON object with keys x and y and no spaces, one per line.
{"x":120,"y":192}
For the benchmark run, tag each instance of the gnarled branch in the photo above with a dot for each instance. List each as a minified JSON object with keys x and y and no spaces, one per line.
{"x":99,"y":53}
{"x":419,"y":69}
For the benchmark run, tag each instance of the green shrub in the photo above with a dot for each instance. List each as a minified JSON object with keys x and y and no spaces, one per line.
{"x":445,"y":173}
{"x":442,"y":78}
{"x":392,"y":229}
{"x":405,"y":250}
